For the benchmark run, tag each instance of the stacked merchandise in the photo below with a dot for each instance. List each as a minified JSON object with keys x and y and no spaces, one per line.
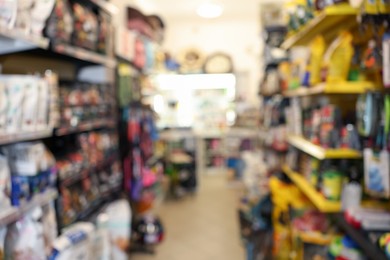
{"x":89,"y":171}
{"x":21,"y":116}
{"x":85,"y":104}
{"x":338,"y":155}
{"x":79,"y":24}
{"x":81,"y":163}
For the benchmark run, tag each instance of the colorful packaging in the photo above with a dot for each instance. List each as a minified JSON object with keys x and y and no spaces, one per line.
{"x":75,"y":243}
{"x":377,"y":172}
{"x":24,"y":240}
{"x":60,"y":23}
{"x":338,"y":57}
{"x":332,"y":181}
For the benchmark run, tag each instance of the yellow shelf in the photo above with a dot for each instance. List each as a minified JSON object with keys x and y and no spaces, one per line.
{"x":322,"y":153}
{"x":347,"y":87}
{"x":315,"y":197}
{"x":328,"y":22}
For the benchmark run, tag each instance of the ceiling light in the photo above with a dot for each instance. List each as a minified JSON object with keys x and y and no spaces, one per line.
{"x":209,"y":10}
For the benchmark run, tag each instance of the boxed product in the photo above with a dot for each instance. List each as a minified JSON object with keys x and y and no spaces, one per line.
{"x":75,"y":243}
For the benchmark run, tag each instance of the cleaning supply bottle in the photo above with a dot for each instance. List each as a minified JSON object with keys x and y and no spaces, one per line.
{"x":338,"y":57}
{"x":352,"y":191}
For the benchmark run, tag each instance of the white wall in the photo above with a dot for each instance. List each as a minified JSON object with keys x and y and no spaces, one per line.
{"x":238,"y":38}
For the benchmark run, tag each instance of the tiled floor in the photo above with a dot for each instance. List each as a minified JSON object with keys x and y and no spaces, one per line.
{"x":201,"y":227}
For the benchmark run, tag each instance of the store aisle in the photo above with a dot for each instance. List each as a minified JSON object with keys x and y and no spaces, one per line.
{"x":202,"y":227}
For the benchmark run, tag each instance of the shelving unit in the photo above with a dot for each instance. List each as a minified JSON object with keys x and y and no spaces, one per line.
{"x":315,"y":197}
{"x":322,"y":153}
{"x":16,"y":40}
{"x":14,"y":213}
{"x":29,"y":136}
{"x":348,"y":87}
{"x":84,"y":173}
{"x":327,"y":23}
{"x":370,"y":249}
{"x":85,"y":127}
{"x":83,"y":54}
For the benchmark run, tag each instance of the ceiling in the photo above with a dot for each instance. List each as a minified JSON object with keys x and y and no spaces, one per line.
{"x":187,"y":8}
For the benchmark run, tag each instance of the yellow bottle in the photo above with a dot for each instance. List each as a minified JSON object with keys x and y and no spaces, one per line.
{"x":338,"y":58}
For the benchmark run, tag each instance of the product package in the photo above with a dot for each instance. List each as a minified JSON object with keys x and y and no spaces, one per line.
{"x":386,"y":59}
{"x":3,"y":233}
{"x":377,"y":172}
{"x":8,"y":11}
{"x":15,"y":90}
{"x":3,"y":107}
{"x":32,"y":168}
{"x":40,"y":12}
{"x":75,"y":243}
{"x":30,"y":104}
{"x":60,"y":23}
{"x":119,"y":228}
{"x":49,"y":226}
{"x":317,"y":49}
{"x":102,"y":243}
{"x":23,"y":17}
{"x":338,"y":57}
{"x":5,"y":184}
{"x":24,"y":239}
{"x":86,"y":27}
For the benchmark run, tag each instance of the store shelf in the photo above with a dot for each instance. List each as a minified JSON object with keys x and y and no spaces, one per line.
{"x":83,"y":54}
{"x":84,"y":173}
{"x":315,"y":197}
{"x":322,"y":153}
{"x":347,"y":87}
{"x":339,"y":16}
{"x":20,"y":137}
{"x":12,"y":40}
{"x":85,"y":127}
{"x":369,"y":248}
{"x":13,"y":214}
{"x":106,"y":6}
